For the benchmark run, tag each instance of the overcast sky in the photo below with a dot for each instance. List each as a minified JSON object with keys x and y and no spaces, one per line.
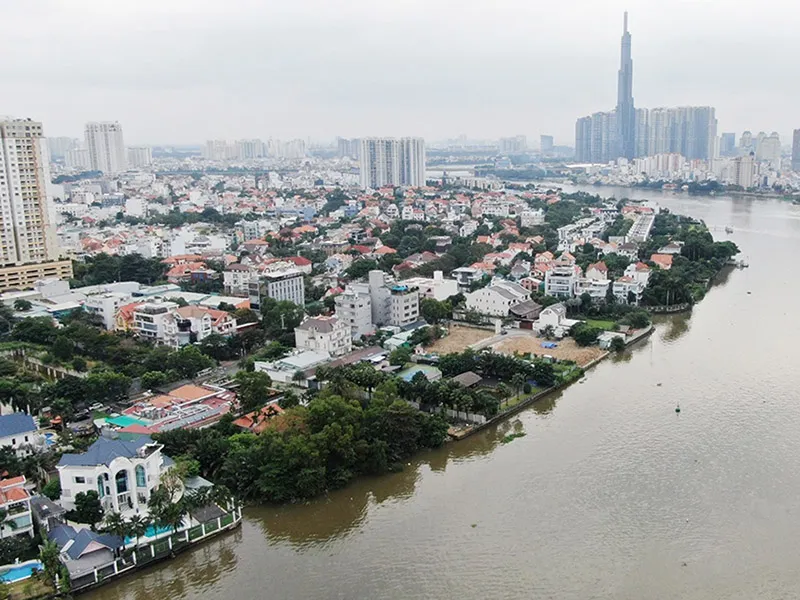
{"x":183,"y":71}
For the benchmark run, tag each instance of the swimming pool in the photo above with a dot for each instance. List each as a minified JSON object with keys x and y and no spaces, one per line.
{"x":49,"y":438}
{"x":22,"y":571}
{"x":152,"y":531}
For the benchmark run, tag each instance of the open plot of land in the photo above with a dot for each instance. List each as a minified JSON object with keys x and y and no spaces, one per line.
{"x":601,"y":324}
{"x":458,"y":339}
{"x":566,"y":349}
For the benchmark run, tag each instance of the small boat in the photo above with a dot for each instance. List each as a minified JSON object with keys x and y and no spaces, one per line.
{"x":678,"y":408}
{"x":729,"y":230}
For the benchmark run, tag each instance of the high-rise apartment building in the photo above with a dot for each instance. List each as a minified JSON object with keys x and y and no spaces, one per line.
{"x":77,"y":158}
{"x":744,"y":171}
{"x":769,"y":149}
{"x":389,"y":161}
{"x":546,"y":143}
{"x":348,"y":148}
{"x":59,"y":146}
{"x":247,"y":149}
{"x":727,"y":144}
{"x":106,"y":147}
{"x":513,"y":145}
{"x":28,"y":248}
{"x":596,"y":138}
{"x":746,"y":142}
{"x":796,"y":151}
{"x":626,"y":113}
{"x":140,"y":156}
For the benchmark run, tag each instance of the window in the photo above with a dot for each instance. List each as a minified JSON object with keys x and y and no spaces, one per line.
{"x":13,"y":441}
{"x":80,"y":480}
{"x":141,"y":478}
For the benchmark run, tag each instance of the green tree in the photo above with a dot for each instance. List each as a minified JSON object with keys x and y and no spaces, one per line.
{"x":361,"y":268}
{"x":617,"y":344}
{"x":517,"y":381}
{"x":22,"y":305}
{"x":434,"y":311}
{"x":400,"y":356}
{"x":138,"y":526}
{"x":254,"y":389}
{"x":87,"y":509}
{"x":49,"y":557}
{"x":543,"y":373}
{"x":108,"y":386}
{"x":153,"y":379}
{"x":585,"y":335}
{"x":189,"y":361}
{"x":52,"y":489}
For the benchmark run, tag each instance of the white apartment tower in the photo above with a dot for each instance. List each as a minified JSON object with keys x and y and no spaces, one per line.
{"x":389,"y":161}
{"x":106,"y":147}
{"x":27,"y":233}
{"x":140,"y":156}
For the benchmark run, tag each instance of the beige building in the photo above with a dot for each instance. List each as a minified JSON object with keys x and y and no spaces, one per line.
{"x":27,"y":215}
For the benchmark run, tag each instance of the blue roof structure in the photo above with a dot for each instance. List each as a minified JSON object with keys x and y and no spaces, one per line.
{"x":81,"y":539}
{"x":16,"y":423}
{"x":103,"y":451}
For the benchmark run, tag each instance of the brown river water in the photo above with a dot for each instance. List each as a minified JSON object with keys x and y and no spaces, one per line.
{"x":611,"y":494}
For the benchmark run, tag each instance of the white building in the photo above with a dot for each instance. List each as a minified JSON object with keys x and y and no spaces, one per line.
{"x":18,"y":431}
{"x":140,"y":156}
{"x":106,"y":147}
{"x":560,"y":280}
{"x":389,"y":161}
{"x":77,"y":158}
{"x":596,"y":288}
{"x":283,"y":285}
{"x":437,"y":288}
{"x":497,"y":298}
{"x":531,"y":217}
{"x":354,"y":308}
{"x":124,"y":474}
{"x":27,"y":215}
{"x":324,"y":334}
{"x":403,"y":305}
{"x":154,"y":321}
{"x":391,"y":303}
{"x":236,"y":279}
{"x":106,"y":306}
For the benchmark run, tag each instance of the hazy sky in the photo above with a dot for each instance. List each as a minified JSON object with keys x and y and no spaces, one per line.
{"x":183,"y":71}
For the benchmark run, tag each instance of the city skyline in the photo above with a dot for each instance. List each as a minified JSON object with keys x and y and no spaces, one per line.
{"x":243,"y":74}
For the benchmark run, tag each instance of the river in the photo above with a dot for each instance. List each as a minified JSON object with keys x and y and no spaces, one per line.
{"x":611,"y":494}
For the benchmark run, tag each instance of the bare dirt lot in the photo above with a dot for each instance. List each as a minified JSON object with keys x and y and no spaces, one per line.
{"x":567,"y":349}
{"x":458,"y":339}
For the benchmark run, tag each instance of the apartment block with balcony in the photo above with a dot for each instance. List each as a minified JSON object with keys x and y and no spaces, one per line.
{"x":324,"y":334}
{"x":15,"y":502}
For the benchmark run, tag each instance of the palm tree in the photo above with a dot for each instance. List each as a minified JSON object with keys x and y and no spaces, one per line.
{"x":518,"y":380}
{"x":138,"y":526}
{"x":115,"y":524}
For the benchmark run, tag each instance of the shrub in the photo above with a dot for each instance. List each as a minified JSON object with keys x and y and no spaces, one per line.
{"x":527,"y":388}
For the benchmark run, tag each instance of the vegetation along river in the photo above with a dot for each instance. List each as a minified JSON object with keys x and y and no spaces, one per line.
{"x":611,"y":494}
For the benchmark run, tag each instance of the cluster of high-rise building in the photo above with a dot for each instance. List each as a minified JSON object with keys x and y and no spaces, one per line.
{"x":628,"y":132}
{"x":391,"y":161}
{"x":254,"y":148}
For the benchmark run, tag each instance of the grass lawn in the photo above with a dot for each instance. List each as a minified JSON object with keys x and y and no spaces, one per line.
{"x":29,"y":588}
{"x":607,"y":325}
{"x":514,"y":400}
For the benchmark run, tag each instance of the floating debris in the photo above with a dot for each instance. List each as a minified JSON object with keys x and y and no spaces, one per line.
{"x":512,"y":436}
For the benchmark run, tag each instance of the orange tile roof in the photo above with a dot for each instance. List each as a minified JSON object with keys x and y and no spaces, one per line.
{"x":191,"y":392}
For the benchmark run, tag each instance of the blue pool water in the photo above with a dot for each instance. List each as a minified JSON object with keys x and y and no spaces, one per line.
{"x":23,"y":572}
{"x":49,"y":438}
{"x":152,"y":531}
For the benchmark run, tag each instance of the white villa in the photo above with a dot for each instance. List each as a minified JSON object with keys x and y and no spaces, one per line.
{"x":123,"y":474}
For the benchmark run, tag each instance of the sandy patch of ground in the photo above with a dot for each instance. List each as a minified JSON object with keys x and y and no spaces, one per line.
{"x":458,"y":339}
{"x":567,"y":349}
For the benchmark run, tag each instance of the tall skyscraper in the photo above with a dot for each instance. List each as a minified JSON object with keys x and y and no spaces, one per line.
{"x":59,"y":146}
{"x":626,"y":113}
{"x":746,"y":141}
{"x":796,"y":151}
{"x":389,"y":161}
{"x":28,"y":247}
{"x":769,"y":150}
{"x":727,"y":144}
{"x":546,"y":143}
{"x":106,"y":147}
{"x":596,"y":138}
{"x":513,"y":145}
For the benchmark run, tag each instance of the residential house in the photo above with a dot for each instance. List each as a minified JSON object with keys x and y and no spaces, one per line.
{"x":354,"y":308}
{"x":674,"y":247}
{"x":597,"y":271}
{"x":630,"y":250}
{"x":555,"y":317}
{"x":124,"y":474}
{"x":560,"y":280}
{"x":15,"y":503}
{"x":18,"y":431}
{"x":236,"y":279}
{"x":324,"y":334}
{"x":497,"y":298}
{"x":82,"y":551}
{"x":596,"y":288}
{"x":663,"y":261}
{"x":296,"y":369}
{"x":258,"y":420}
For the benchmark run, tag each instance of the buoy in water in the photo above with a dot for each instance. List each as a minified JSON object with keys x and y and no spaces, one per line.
{"x":678,"y":408}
